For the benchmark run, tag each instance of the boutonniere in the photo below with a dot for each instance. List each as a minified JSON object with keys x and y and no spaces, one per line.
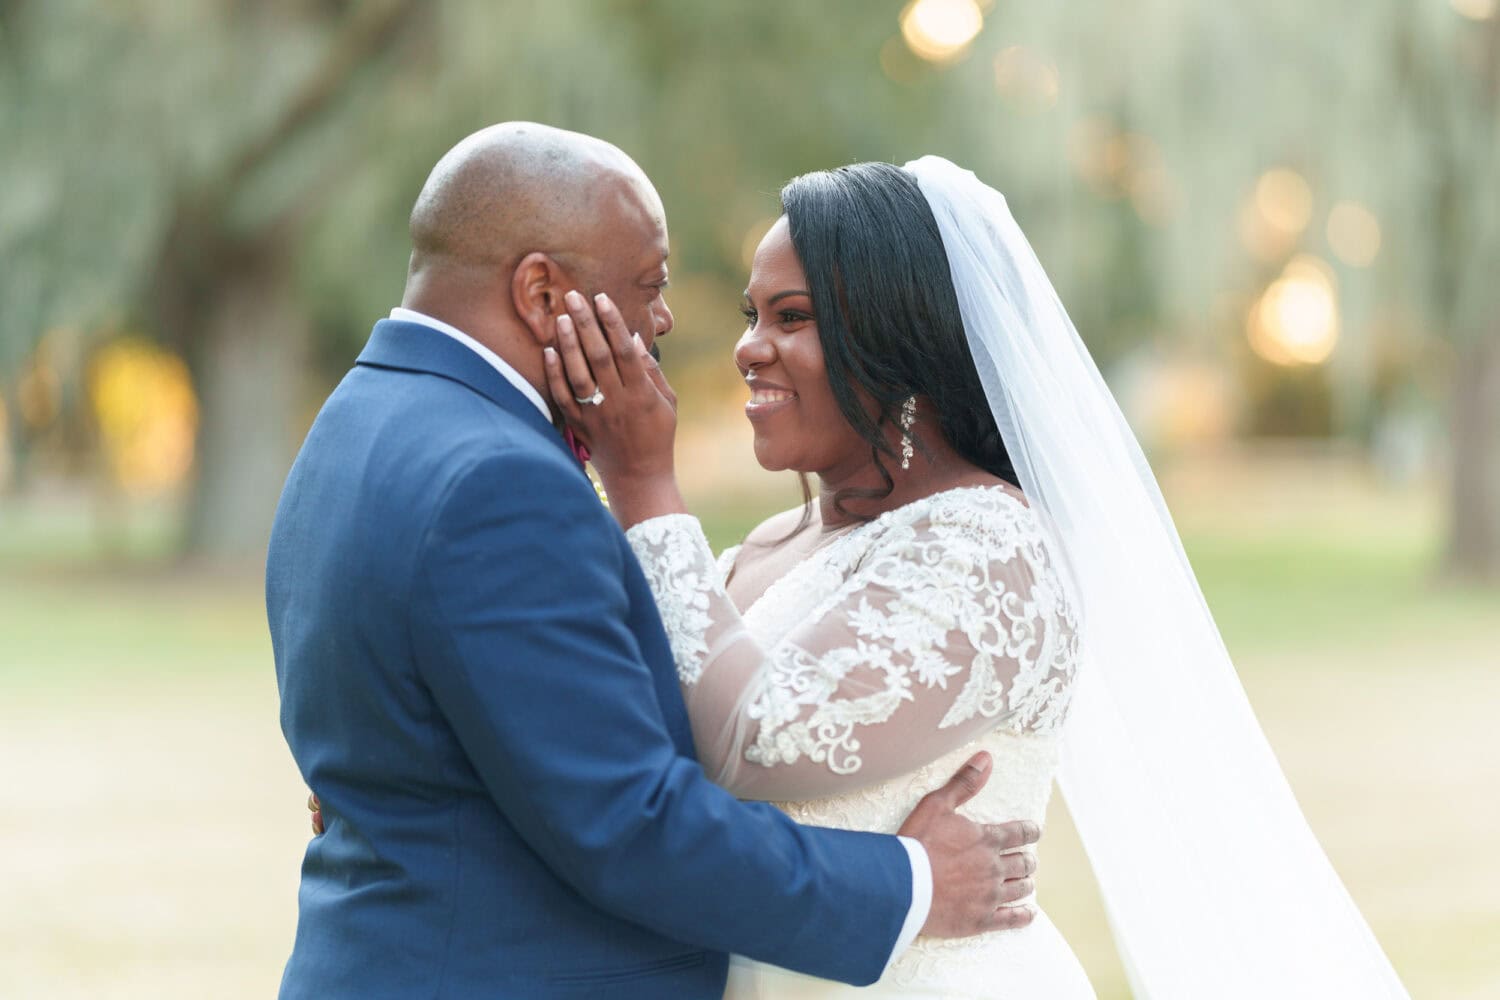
{"x":598,"y":487}
{"x":581,"y":452}
{"x":578,"y":448}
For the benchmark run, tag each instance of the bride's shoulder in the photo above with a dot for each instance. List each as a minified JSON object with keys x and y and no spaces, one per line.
{"x":778,"y":527}
{"x":765,"y":554}
{"x":988,"y":519}
{"x":990,"y":503}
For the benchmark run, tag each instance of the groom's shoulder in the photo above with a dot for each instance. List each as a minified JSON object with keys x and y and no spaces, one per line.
{"x":417,"y":438}
{"x":507,"y":465}
{"x":443,"y":418}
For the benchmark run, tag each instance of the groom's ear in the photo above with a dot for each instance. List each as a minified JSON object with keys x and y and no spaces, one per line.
{"x":536,"y":291}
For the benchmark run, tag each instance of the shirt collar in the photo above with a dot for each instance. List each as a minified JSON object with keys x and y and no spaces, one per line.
{"x":495,"y":361}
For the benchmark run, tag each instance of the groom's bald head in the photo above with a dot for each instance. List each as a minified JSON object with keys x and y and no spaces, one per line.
{"x":516,"y":215}
{"x":520,"y":187}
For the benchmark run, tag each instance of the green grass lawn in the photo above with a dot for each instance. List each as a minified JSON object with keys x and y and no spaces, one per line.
{"x":130,"y":611}
{"x":155,"y":824}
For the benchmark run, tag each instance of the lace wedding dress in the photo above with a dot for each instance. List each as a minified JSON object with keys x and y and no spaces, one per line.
{"x":863,"y":678}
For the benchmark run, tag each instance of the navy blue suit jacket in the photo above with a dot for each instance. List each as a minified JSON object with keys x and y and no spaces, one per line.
{"x":475,"y":682}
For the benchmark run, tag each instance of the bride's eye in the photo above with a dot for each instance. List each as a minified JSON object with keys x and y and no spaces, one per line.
{"x":750,"y":315}
{"x":790,"y":317}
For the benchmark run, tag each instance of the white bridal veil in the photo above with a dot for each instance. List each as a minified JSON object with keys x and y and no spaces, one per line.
{"x":1215,"y":886}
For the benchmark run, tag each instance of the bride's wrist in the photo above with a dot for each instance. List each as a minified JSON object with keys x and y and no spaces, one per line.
{"x":637,"y":498}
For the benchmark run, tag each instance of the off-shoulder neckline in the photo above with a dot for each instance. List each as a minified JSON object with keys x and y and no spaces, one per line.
{"x":862,"y":529}
{"x":1003,"y":489}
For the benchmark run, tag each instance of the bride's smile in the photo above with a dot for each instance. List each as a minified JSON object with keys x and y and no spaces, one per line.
{"x":765,"y":398}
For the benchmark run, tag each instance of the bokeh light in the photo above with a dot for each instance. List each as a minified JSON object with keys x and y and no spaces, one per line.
{"x":1027,"y":81}
{"x":1354,"y":233}
{"x":1090,"y":152}
{"x":1144,"y":177}
{"x":941,"y":30}
{"x":147,"y":414}
{"x":1119,"y":164}
{"x":1284,"y":200}
{"x":1176,"y":404}
{"x":1476,"y":10}
{"x":1296,"y":320}
{"x":1273,"y":218}
{"x":899,"y":63}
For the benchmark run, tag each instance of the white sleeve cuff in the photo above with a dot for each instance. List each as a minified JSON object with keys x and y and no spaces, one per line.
{"x":921,"y":896}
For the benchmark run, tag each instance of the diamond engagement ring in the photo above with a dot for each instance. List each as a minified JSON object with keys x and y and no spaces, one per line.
{"x":594,"y":400}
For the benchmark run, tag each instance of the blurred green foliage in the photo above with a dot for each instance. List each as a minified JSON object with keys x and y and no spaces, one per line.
{"x":233,"y":178}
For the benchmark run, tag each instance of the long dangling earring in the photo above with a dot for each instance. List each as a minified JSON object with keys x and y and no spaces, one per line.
{"x":908,"y":417}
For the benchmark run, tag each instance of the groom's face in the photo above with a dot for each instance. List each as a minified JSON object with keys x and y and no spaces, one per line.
{"x":629,"y":261}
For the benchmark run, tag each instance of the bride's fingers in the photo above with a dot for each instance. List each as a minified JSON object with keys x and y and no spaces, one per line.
{"x":316,"y":808}
{"x":580,"y":374}
{"x":622,"y":342}
{"x":562,"y":392}
{"x":654,"y":372}
{"x":601,"y":357}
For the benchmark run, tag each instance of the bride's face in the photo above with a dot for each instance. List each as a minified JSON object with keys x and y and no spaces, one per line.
{"x":797,"y":421}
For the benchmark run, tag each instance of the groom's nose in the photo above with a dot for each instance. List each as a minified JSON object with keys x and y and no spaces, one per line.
{"x":661,"y":317}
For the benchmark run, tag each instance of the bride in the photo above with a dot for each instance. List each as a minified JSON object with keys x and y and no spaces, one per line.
{"x":988,"y":557}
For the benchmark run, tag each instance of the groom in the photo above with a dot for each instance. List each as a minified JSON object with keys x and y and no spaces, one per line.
{"x":474,"y":680}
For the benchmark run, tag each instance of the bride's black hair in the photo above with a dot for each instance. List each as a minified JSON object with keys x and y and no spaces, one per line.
{"x":888,"y":318}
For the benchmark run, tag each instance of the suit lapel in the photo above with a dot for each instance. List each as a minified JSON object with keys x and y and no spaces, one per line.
{"x":413,"y":347}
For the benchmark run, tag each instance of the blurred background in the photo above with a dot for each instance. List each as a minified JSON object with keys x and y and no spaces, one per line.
{"x":1277,"y":226}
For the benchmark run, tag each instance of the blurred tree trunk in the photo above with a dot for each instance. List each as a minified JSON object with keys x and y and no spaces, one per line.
{"x":1474,"y":510}
{"x":226,"y":294}
{"x":246,"y":352}
{"x":1453,"y":86}
{"x":16,"y":443}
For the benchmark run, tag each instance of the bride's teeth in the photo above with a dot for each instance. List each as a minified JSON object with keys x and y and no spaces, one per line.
{"x":769,"y":396}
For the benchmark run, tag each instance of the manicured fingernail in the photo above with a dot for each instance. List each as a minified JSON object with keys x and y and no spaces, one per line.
{"x":601,"y":301}
{"x":639,"y":346}
{"x":574,"y":300}
{"x":565,"y":324}
{"x":549,"y":355}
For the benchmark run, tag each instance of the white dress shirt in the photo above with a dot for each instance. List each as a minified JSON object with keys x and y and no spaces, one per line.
{"x":496,"y":361}
{"x":921,"y":865}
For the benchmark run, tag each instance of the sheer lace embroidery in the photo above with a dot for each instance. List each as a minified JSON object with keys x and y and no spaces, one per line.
{"x":681,"y":587}
{"x":933,"y":624}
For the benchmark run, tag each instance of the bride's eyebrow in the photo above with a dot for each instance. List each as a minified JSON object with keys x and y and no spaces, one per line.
{"x":788,"y":293}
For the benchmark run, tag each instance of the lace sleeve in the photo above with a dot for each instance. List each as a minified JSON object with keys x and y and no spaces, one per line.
{"x":951,"y":626}
{"x":726,"y":560}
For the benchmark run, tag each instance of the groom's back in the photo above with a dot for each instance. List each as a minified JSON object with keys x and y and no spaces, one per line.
{"x":420,"y":886}
{"x":342,"y":559}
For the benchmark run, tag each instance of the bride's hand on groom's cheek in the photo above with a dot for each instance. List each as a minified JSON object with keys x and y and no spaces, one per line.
{"x":979,"y":871}
{"x":611,"y":391}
